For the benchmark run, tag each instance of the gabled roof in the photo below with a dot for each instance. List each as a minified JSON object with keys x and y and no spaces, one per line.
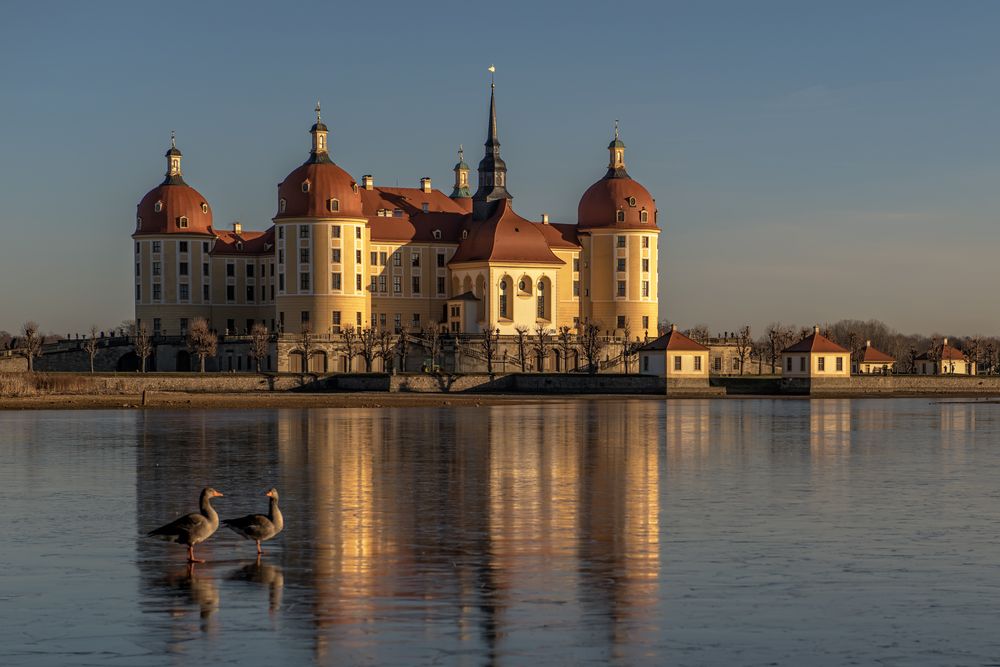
{"x":505,"y":237}
{"x":942,"y":352}
{"x":872,"y":356}
{"x":253,"y":243}
{"x":673,"y":340}
{"x":465,"y":296}
{"x":814,"y":342}
{"x":559,"y":235}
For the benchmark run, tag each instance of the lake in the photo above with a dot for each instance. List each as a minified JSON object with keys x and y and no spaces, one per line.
{"x":590,"y":531}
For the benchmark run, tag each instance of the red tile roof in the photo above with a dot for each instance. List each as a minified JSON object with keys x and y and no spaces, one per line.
{"x":600,"y":204}
{"x":873,"y":356}
{"x":943,"y":352}
{"x":176,"y":201}
{"x":505,"y":237}
{"x":814,"y":342}
{"x":673,"y":340}
{"x":254,"y":243}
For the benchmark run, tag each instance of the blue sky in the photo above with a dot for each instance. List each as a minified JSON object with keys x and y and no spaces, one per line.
{"x":812,"y":160}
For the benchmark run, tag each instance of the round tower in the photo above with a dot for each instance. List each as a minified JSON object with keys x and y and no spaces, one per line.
{"x":618,"y":229}
{"x":171,"y":244}
{"x":321,"y":241}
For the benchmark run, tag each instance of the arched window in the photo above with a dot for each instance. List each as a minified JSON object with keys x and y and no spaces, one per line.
{"x":333,"y":205}
{"x":643,"y":215}
{"x":621,"y":215}
{"x":182,"y":222}
{"x":305,"y":186}
{"x":503,"y":298}
{"x":281,"y":205}
{"x":436,"y":234}
{"x":321,"y":141}
{"x":138,"y":222}
{"x":465,"y":233}
{"x":541,"y":300}
{"x":158,"y":206}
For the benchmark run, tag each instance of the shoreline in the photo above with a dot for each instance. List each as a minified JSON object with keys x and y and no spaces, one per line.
{"x":179,"y":400}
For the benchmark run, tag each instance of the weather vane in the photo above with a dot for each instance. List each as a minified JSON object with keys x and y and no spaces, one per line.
{"x":173,"y":142}
{"x":317,"y":111}
{"x":616,"y":128}
{"x":461,"y":153}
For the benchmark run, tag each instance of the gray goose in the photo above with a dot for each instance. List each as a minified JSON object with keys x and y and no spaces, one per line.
{"x":258,"y":527}
{"x":194,"y":528}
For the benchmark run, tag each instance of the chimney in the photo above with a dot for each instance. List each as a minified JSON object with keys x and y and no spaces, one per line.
{"x":237,"y":227}
{"x":367,"y":182}
{"x":868,"y":343}
{"x":545,"y":218}
{"x":673,"y":327}
{"x":816,"y":329}
{"x":425,"y":184}
{"x":944,"y":342}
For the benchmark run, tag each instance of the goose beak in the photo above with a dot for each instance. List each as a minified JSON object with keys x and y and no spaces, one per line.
{"x":218,"y":494}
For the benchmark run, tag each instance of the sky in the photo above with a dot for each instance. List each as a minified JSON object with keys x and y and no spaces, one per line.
{"x":811,"y":161}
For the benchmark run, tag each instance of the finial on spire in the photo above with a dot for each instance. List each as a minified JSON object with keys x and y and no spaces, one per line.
{"x":492,"y":70}
{"x":461,"y":154}
{"x":616,"y":128}
{"x":317,"y":111}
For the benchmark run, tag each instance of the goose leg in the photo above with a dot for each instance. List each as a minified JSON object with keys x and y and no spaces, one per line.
{"x":259,"y":552}
{"x":191,"y":558}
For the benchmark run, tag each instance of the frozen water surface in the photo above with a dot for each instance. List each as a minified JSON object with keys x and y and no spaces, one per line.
{"x":742,"y":532}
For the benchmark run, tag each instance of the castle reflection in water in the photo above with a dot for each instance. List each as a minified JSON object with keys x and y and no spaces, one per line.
{"x":490,"y":529}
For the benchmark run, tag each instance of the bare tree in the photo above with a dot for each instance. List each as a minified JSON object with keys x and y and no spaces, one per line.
{"x":31,"y":343}
{"x":386,"y":350}
{"x":350,"y":337}
{"x":489,"y":345}
{"x":259,"y":343}
{"x":539,"y":345}
{"x":403,"y":348}
{"x":744,"y":344}
{"x":565,"y":343}
{"x":778,"y":338}
{"x":432,"y":341}
{"x":971,"y":353}
{"x":201,"y":341}
{"x":989,"y":356}
{"x":593,"y":344}
{"x":368,"y":341}
{"x":90,"y":346}
{"x":522,"y":336}
{"x":143,"y":346}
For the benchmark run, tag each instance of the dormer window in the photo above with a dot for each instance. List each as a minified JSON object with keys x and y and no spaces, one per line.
{"x":354,"y":186}
{"x":239,"y":245}
{"x":425,"y":207}
{"x":182,"y":222}
{"x":204,"y":207}
{"x":465,"y":233}
{"x":138,"y":222}
{"x":281,"y":205}
{"x":158,"y":206}
{"x":333,"y":205}
{"x":397,"y":213}
{"x":436,"y":234}
{"x":305,"y":186}
{"x":621,"y":215}
{"x":643,"y":215}
{"x":631,"y":201}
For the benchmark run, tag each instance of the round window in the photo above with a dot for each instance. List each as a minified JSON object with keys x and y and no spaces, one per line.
{"x":522,"y":286}
{"x":503,"y":285}
{"x":631,"y":201}
{"x":541,"y":286}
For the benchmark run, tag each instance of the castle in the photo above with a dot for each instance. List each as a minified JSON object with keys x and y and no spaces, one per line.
{"x":343,"y":253}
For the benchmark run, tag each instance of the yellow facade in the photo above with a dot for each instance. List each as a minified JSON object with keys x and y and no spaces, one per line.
{"x":620,"y":279}
{"x":816,"y":364}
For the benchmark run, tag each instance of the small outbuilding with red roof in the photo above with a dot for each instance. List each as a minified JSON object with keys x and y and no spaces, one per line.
{"x":674,"y":356}
{"x":815,"y":356}
{"x":870,"y":361}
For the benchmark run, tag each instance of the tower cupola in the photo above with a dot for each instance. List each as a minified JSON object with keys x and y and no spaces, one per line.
{"x":320,"y":148}
{"x":461,"y":189}
{"x":492,"y":168}
{"x":616,"y":156}
{"x":173,"y":155}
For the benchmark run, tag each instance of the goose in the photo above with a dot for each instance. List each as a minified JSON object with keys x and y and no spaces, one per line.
{"x":258,"y":527}
{"x":194,"y":528}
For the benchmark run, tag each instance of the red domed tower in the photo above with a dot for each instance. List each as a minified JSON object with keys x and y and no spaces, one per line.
{"x":172,"y":239}
{"x":618,"y":229}
{"x":319,"y":211}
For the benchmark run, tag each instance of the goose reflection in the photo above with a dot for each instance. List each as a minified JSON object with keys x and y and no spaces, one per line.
{"x":265,"y":574}
{"x":183,"y":587}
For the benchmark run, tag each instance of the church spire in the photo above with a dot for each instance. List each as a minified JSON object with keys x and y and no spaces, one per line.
{"x":492,"y":169}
